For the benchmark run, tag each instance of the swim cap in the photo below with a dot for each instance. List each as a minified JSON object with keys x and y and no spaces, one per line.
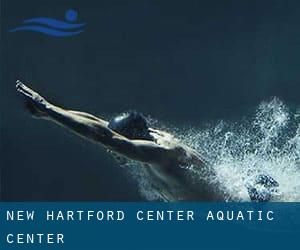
{"x":132,"y":125}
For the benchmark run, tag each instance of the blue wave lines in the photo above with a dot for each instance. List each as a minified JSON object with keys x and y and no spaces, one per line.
{"x":53,"y":27}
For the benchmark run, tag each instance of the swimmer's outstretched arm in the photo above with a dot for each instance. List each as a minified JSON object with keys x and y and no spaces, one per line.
{"x":95,"y":129}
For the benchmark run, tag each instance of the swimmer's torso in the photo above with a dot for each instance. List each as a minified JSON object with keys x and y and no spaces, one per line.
{"x":177,"y":179}
{"x":180,"y":183}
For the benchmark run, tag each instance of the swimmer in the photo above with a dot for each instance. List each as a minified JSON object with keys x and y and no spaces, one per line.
{"x":129,"y":136}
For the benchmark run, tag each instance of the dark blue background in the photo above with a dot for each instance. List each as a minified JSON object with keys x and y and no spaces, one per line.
{"x":182,"y":62}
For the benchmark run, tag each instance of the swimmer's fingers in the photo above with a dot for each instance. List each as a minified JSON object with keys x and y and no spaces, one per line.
{"x":154,"y":130}
{"x":28,"y":93}
{"x":161,"y":133}
{"x":154,"y":135}
{"x":37,"y":102}
{"x":23,"y":89}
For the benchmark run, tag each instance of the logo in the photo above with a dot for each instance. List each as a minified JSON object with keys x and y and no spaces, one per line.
{"x":53,"y":27}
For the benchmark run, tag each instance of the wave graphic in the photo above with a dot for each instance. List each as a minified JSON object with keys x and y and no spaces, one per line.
{"x":47,"y":31}
{"x":53,"y":27}
{"x":53,"y":23}
{"x":268,"y":141}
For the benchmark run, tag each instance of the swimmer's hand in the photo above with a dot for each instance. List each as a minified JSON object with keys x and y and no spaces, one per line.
{"x":35,"y":103}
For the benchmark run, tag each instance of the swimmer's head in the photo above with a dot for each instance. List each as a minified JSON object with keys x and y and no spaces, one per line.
{"x":132,"y":125}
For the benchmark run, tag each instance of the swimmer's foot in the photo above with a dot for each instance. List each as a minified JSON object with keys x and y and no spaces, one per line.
{"x":34,"y":103}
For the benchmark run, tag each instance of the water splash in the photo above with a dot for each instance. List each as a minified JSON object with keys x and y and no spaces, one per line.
{"x":267,"y":142}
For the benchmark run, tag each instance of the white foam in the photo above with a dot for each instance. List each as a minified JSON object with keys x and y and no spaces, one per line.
{"x":268,"y":142}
